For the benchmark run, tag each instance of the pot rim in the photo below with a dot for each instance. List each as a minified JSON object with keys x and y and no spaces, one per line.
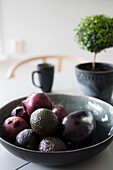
{"x":77,"y":67}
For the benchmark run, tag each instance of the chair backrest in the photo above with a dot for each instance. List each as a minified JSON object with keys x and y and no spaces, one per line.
{"x":12,"y":68}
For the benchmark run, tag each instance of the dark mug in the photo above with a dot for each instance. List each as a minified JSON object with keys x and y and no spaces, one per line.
{"x":45,"y":73}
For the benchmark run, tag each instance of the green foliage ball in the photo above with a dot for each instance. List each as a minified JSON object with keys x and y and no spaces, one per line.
{"x":95,"y":33}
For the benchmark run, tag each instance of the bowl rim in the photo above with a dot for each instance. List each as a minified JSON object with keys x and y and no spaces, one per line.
{"x":66,"y":151}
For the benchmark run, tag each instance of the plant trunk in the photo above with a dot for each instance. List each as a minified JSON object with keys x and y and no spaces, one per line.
{"x":93,"y":64}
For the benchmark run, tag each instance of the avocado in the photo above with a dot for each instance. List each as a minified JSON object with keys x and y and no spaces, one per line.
{"x":44,"y":122}
{"x":28,"y":139}
{"x":51,"y":144}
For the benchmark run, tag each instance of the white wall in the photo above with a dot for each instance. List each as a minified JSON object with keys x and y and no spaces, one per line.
{"x":1,"y":33}
{"x":46,"y":26}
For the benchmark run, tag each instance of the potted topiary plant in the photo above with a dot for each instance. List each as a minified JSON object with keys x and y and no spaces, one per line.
{"x":95,"y":33}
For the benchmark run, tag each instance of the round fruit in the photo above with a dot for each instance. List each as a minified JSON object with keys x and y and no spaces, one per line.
{"x":78,"y":128}
{"x":44,"y":122}
{"x":60,"y":112}
{"x":28,"y":139}
{"x":35,"y":101}
{"x":12,"y":126}
{"x":50,"y":144}
{"x":20,"y":111}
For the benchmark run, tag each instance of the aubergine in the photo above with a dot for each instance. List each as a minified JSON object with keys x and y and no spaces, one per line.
{"x":78,"y":128}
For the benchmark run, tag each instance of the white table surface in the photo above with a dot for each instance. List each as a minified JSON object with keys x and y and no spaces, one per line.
{"x":63,"y":83}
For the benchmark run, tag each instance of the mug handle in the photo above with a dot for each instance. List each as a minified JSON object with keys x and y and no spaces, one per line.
{"x":33,"y":79}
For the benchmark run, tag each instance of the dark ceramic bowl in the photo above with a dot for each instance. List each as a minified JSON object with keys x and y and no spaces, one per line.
{"x":103,"y":113}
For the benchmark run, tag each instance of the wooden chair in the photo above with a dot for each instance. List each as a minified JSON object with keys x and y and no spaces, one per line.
{"x":12,"y":68}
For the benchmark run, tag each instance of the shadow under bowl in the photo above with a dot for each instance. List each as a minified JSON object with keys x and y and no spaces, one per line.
{"x":103,"y":113}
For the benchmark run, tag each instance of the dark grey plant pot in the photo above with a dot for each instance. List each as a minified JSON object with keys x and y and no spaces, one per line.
{"x":98,"y":84}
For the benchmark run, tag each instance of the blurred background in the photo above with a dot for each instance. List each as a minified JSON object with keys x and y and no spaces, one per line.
{"x":31,"y":28}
